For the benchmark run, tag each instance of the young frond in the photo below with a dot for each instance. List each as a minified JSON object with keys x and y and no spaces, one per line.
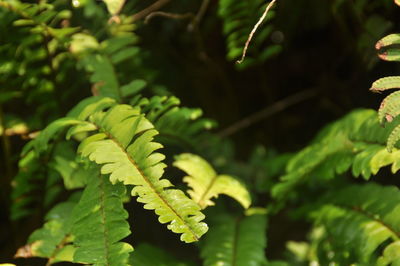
{"x":205,"y":183}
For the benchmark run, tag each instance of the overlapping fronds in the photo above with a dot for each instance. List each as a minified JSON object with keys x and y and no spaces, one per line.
{"x":239,"y":18}
{"x":176,"y":124}
{"x":356,"y":141}
{"x":99,"y":224}
{"x":361,"y":223}
{"x":127,"y":135}
{"x":236,"y":241}
{"x":206,"y":184}
{"x":101,"y":59}
{"x":52,"y":240}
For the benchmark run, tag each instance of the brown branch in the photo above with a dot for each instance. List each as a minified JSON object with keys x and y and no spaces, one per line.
{"x":167,"y":15}
{"x":254,"y":30}
{"x":199,"y":15}
{"x":154,"y":7}
{"x":268,"y":111}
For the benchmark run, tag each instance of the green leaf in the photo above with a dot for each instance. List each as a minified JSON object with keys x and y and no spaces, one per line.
{"x":386,"y":83}
{"x":360,"y":218}
{"x":236,"y":241}
{"x":391,"y":255}
{"x":47,"y":241}
{"x":390,"y":108}
{"x":128,"y":138}
{"x":100,"y":223}
{"x":103,"y":75}
{"x":388,"y":40}
{"x":206,"y":184}
{"x":114,"y":6}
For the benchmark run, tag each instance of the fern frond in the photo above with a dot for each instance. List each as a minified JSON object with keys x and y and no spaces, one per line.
{"x":102,"y":62}
{"x":238,"y":20}
{"x":356,"y":141}
{"x":236,"y":241}
{"x":387,"y":45}
{"x":51,"y":241}
{"x":99,"y":223}
{"x":362,"y":219}
{"x":205,"y":183}
{"x":127,"y":136}
{"x":175,"y":123}
{"x":149,"y":255}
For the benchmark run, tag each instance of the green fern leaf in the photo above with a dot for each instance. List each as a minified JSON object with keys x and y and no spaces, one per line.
{"x":206,"y":184}
{"x":393,"y":138}
{"x":361,"y":218}
{"x":356,"y":141}
{"x":126,"y":149}
{"x":386,"y":83}
{"x":100,"y":223}
{"x":390,"y":108}
{"x":239,"y":241}
{"x":391,"y":255}
{"x":388,"y":40}
{"x":114,"y":6}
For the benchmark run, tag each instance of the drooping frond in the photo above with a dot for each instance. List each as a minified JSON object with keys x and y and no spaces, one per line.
{"x":361,"y":221}
{"x":52,"y":240}
{"x":236,"y":241}
{"x":127,"y":136}
{"x":125,"y":148}
{"x":239,"y":18}
{"x":205,"y":183}
{"x":149,"y":255}
{"x":99,"y":224}
{"x":356,"y":141}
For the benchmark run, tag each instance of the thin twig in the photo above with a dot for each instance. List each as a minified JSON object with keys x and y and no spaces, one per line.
{"x":199,"y":15}
{"x":254,"y":30}
{"x":268,"y":111}
{"x":167,"y":15}
{"x":154,"y":7}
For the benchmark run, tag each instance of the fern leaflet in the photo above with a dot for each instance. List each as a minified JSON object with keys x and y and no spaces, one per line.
{"x":206,"y":184}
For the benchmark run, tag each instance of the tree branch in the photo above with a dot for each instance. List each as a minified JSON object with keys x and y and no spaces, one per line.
{"x":266,"y":112}
{"x":154,"y":7}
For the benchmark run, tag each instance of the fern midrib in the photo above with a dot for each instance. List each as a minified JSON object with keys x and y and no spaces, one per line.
{"x":235,"y":240}
{"x":103,"y":218}
{"x":150,"y":185}
{"x":370,"y":216}
{"x":208,"y":188}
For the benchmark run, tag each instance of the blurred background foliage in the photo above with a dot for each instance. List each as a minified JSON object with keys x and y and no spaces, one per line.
{"x":310,"y":63}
